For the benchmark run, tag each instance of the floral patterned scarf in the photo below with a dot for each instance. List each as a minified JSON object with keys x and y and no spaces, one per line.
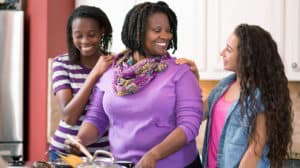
{"x":130,"y":78}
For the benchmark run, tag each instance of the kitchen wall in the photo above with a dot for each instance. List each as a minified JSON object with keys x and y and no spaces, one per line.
{"x":45,"y":23}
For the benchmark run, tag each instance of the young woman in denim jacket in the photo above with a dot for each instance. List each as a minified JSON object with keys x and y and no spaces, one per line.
{"x":249,"y":115}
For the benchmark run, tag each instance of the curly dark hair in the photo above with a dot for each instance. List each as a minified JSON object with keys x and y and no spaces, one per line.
{"x":134,"y":27}
{"x":260,"y":67}
{"x":97,"y":14}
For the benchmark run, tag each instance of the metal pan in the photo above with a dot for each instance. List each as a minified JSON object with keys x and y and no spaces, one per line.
{"x":104,"y":162}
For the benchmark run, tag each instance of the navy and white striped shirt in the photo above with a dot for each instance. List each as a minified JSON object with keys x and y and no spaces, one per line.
{"x":71,"y":76}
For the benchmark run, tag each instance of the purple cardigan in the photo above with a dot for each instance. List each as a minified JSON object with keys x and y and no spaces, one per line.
{"x":140,"y":121}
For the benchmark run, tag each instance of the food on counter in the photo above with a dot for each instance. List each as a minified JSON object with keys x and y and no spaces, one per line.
{"x":71,"y":159}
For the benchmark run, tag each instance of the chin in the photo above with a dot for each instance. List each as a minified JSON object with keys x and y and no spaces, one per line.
{"x":163,"y":53}
{"x":86,"y":54}
{"x":226,"y":68}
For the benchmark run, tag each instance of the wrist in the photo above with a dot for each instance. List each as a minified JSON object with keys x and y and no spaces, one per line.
{"x":155,"y":155}
{"x":96,"y":72}
{"x":94,"y":76}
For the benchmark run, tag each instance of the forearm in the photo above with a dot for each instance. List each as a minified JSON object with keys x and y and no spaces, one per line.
{"x":171,"y":144}
{"x":88,"y":133}
{"x":250,"y":159}
{"x":75,"y":107}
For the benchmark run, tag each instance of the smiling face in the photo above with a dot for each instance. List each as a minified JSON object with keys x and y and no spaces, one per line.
{"x":158,"y":35}
{"x":86,"y":36}
{"x":230,"y":53}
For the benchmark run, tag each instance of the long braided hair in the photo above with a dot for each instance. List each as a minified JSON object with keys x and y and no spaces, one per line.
{"x":97,"y":14}
{"x":134,"y":27}
{"x":260,"y":67}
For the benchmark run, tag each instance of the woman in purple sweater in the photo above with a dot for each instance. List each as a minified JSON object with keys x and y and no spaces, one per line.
{"x":152,"y":106}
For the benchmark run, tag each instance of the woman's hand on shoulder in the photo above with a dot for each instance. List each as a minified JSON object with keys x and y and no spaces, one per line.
{"x":103,"y":63}
{"x":190,"y":63}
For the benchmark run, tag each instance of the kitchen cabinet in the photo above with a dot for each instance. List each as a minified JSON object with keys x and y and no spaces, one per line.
{"x":280,"y":18}
{"x":292,"y":39}
{"x":203,"y":27}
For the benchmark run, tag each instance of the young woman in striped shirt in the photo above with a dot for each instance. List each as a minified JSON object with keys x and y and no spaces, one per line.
{"x":89,"y":34}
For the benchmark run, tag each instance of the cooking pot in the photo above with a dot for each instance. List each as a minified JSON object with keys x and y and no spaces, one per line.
{"x":104,"y":162}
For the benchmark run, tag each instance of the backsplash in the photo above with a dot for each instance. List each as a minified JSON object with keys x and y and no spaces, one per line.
{"x":295,"y":95}
{"x":294,"y":87}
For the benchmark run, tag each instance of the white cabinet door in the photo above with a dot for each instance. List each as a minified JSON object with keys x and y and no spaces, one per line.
{"x":223,"y":16}
{"x":280,"y":18}
{"x":292,"y":39}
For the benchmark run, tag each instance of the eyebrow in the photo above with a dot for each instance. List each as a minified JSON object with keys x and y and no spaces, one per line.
{"x":78,"y":31}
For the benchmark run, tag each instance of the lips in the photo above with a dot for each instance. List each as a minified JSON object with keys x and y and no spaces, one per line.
{"x":161,"y":44}
{"x":86,"y":48}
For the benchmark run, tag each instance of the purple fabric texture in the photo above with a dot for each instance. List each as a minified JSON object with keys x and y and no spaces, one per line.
{"x":130,"y":78}
{"x":142,"y":120}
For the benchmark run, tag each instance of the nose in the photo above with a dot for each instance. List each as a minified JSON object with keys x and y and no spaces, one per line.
{"x":166,"y":35}
{"x":222,"y":52}
{"x":85,"y":39}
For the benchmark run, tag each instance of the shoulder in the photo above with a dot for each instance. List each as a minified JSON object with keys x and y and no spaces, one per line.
{"x":221,"y":86}
{"x":172,"y":64}
{"x":177,"y":69}
{"x":62,"y":58}
{"x":62,"y":62}
{"x":106,"y":79}
{"x":227,"y":80}
{"x":223,"y":83}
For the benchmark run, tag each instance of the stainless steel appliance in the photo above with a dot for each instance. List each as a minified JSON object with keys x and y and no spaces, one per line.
{"x":11,"y":85}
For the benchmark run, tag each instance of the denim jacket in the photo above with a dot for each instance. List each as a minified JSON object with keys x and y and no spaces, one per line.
{"x":234,"y":137}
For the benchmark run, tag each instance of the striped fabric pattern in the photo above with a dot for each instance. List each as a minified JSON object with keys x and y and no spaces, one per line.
{"x":70,"y":76}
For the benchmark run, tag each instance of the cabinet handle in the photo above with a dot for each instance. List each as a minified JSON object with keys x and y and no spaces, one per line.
{"x":294,"y":65}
